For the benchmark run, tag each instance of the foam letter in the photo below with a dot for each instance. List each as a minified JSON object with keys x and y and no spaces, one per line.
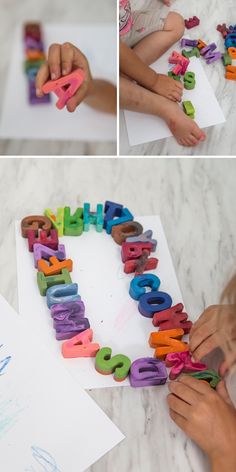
{"x":138,"y":284}
{"x":80,"y":346}
{"x":119,"y":364}
{"x":166,"y":342}
{"x":152,"y":302}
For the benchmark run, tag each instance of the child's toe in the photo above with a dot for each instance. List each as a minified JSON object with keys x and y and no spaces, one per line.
{"x":198,"y":133}
{"x":193,"y":140}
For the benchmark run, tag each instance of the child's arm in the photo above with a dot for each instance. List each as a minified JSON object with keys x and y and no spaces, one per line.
{"x":62,"y":60}
{"x":133,"y":67}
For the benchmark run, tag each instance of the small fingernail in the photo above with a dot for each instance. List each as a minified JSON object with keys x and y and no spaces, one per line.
{"x":53,"y":76}
{"x":64,"y":72}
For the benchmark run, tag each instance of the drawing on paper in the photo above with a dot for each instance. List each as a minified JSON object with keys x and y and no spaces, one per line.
{"x":44,"y":459}
{"x":4,"y":363}
{"x":9,"y":412}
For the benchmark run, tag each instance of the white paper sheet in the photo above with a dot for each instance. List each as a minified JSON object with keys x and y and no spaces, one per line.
{"x":19,"y":120}
{"x":144,"y":128}
{"x":47,"y":422}
{"x":104,"y":288}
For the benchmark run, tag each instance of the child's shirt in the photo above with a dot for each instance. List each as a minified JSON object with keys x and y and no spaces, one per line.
{"x":125,"y":20}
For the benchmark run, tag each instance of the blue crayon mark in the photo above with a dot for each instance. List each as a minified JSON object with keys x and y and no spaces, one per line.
{"x":4,"y":363}
{"x":9,"y":413}
{"x":44,"y":459}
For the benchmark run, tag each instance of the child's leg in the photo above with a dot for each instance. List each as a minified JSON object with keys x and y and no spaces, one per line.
{"x":136,"y":98}
{"x":155,"y":44}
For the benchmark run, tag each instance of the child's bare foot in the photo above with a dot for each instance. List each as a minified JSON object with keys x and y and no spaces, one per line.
{"x":168,"y":87}
{"x":184,"y":129}
{"x":136,"y":98}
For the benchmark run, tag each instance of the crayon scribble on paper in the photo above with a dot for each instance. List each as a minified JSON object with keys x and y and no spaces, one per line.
{"x":44,"y":459}
{"x":4,"y":363}
{"x":9,"y":408}
{"x":9,"y":412}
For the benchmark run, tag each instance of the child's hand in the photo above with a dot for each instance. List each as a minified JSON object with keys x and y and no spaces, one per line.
{"x":223,"y":392}
{"x":62,"y":60}
{"x":206,"y":418}
{"x":168,"y":87}
{"x":216,"y":327}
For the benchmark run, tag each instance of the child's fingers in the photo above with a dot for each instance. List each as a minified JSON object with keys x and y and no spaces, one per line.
{"x":75,"y":101}
{"x":179,"y":86}
{"x":223,"y":392}
{"x":67,"y":56}
{"x":223,"y":369}
{"x":80,"y":61}
{"x":184,"y":392}
{"x":178,"y":419}
{"x":41,"y":78}
{"x":199,"y":336}
{"x":196,"y":384}
{"x":193,"y":140}
{"x":179,"y":93}
{"x":205,"y":348}
{"x":175,"y":96}
{"x":54,"y":61}
{"x":200,"y":329}
{"x":204,"y":317}
{"x":178,"y":405}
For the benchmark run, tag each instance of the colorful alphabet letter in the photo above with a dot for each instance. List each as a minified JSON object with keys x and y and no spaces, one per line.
{"x":44,"y":252}
{"x":95,"y":218}
{"x":180,"y":362}
{"x":120,"y":233}
{"x":119,"y":364}
{"x":172,"y":318}
{"x":73,"y":224}
{"x":168,"y":341}
{"x":147,"y":372}
{"x":80,"y":346}
{"x":209,"y":376}
{"x":35,"y":223}
{"x":62,"y":293}
{"x":152,"y":302}
{"x":138,"y":284}
{"x":65,"y":87}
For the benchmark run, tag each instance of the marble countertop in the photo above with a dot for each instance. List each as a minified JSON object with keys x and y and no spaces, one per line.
{"x":220,"y":139}
{"x":195,"y":199}
{"x":14,"y":12}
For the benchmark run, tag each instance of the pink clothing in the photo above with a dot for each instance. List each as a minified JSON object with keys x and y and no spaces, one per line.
{"x":125,"y":20}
